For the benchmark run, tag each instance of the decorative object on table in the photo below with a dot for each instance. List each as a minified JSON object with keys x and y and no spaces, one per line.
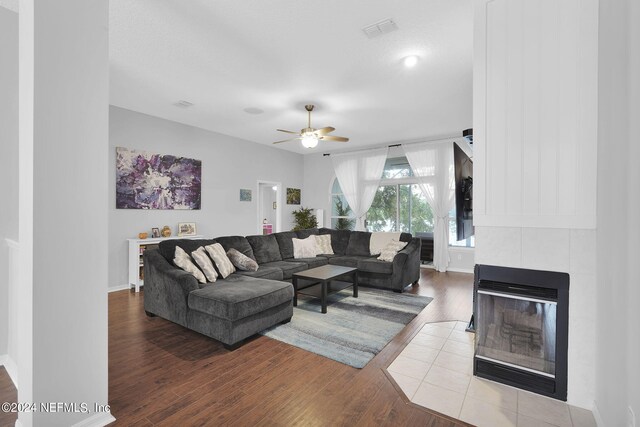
{"x":267,"y":229}
{"x":143,"y":235}
{"x":155,"y":181}
{"x":309,"y":136}
{"x":293,"y":196}
{"x":245,"y":195}
{"x":166,"y":231}
{"x":155,"y":232}
{"x":353,"y":331}
{"x":186,"y":229}
{"x":275,"y":205}
{"x":303,"y":219}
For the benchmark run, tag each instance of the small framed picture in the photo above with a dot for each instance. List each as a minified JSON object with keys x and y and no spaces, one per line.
{"x":186,"y":229}
{"x":155,"y":232}
{"x":245,"y":195}
{"x":293,"y":196}
{"x":275,"y":205}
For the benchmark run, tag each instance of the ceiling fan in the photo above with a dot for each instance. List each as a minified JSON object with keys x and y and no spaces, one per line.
{"x":310,"y":136}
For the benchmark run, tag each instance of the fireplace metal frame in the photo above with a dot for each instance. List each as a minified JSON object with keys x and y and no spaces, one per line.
{"x":516,"y":281}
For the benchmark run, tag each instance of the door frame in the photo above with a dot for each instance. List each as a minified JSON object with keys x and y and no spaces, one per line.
{"x":259,"y":216}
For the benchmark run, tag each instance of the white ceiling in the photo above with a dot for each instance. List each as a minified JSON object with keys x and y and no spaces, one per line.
{"x":277,"y":55}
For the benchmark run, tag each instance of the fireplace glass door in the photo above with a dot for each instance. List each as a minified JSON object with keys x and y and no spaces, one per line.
{"x":517,"y":331}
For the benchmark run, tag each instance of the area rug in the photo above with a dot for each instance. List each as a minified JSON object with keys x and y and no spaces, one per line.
{"x":353,"y":330}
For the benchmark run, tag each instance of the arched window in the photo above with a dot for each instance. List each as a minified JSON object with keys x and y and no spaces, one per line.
{"x":341,"y":215}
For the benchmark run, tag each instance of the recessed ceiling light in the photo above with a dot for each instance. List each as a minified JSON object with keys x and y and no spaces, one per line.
{"x":253,"y":110}
{"x":410,"y":61}
{"x":183,"y":104}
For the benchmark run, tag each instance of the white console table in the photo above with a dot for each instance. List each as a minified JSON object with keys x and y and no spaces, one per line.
{"x":136,"y":264}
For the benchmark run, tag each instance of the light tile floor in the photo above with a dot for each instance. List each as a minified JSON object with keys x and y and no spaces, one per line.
{"x":435,"y":370}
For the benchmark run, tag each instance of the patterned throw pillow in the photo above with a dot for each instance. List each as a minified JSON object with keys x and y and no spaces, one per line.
{"x":203,"y":260}
{"x":323,"y":243}
{"x":241,"y":261}
{"x":305,"y":248}
{"x":391,"y":249}
{"x":183,"y":260}
{"x":217,"y":254}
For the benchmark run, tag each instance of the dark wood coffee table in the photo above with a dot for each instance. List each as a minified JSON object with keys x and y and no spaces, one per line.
{"x":320,"y":285}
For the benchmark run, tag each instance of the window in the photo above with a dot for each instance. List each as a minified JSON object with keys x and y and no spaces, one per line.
{"x":399,"y":205}
{"x":341,"y":215}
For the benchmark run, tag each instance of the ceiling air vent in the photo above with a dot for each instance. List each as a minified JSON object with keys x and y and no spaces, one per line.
{"x":183,"y":104}
{"x":380,"y":28}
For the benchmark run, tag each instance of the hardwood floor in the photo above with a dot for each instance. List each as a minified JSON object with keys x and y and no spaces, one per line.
{"x":165,"y":375}
{"x":8,"y":393}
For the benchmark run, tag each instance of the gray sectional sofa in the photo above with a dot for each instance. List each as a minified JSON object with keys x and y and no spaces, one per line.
{"x":247,"y":302}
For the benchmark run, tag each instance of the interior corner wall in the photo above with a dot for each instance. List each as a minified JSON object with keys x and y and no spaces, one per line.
{"x":228,"y":164}
{"x":9,"y":154}
{"x":63,"y":142}
{"x":617,"y":372}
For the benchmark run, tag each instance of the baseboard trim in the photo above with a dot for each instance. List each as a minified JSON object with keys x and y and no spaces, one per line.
{"x":597,"y":416}
{"x":100,"y":419}
{"x":11,"y":367}
{"x":118,"y":288}
{"x":460,"y":270}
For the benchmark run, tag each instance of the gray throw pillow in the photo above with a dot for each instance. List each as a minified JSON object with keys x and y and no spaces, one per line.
{"x":241,"y":261}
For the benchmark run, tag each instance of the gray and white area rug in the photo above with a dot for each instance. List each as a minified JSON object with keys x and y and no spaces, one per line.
{"x":353,"y":330}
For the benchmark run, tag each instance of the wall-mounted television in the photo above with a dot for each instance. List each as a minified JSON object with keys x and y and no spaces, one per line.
{"x":463,"y":171}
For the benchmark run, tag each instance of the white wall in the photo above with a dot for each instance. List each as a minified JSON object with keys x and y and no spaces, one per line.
{"x":617,"y":371}
{"x":63,"y":142}
{"x":535,"y":111}
{"x":318,"y":178}
{"x":9,"y":169}
{"x":228,"y":164}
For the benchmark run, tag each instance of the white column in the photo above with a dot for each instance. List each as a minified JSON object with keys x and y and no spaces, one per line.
{"x":64,"y":100}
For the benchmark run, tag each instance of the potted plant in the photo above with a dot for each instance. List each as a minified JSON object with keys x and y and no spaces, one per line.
{"x":304,"y":218}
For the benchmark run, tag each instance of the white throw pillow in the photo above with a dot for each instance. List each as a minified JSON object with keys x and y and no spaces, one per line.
{"x":218,"y":255}
{"x":380,"y":239}
{"x":305,"y":248}
{"x":183,"y":260}
{"x":203,"y":260}
{"x":389,"y":252}
{"x":323,"y":244}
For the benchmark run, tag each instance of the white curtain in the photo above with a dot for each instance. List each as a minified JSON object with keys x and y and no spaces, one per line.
{"x":359,"y":175}
{"x":432,"y":164}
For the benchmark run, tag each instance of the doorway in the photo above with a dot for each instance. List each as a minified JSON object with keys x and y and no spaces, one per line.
{"x":269,"y":209}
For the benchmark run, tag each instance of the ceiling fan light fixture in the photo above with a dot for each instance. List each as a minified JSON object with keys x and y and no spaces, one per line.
{"x":410,"y":61}
{"x":309,"y":141}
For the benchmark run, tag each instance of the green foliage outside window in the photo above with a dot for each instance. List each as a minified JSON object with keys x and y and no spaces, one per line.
{"x":342,"y":210}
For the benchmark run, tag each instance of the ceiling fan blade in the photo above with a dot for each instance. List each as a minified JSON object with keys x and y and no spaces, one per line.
{"x":334,"y":138}
{"x":288,"y":131}
{"x":325,"y":131}
{"x":285,"y":140}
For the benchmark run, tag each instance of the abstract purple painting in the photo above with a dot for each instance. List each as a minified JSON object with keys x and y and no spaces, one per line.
{"x":156,"y":181}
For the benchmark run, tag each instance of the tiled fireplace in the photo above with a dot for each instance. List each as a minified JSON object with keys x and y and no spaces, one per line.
{"x":521,"y":324}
